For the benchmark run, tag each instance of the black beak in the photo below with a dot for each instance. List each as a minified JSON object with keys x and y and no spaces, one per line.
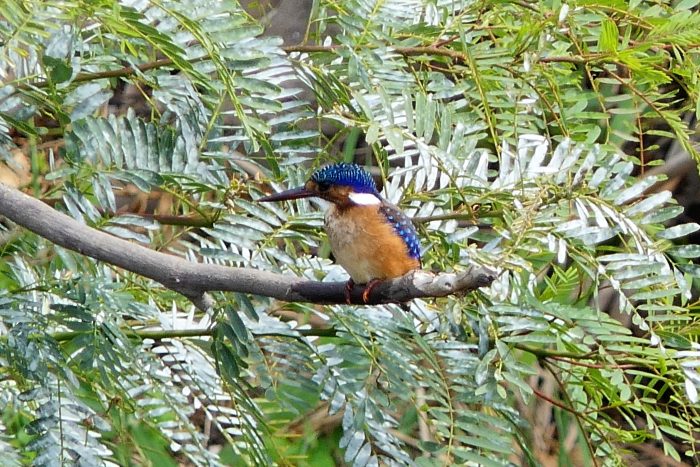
{"x":294,"y":193}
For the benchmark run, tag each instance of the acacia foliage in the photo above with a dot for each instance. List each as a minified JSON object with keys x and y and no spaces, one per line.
{"x":522,"y":111}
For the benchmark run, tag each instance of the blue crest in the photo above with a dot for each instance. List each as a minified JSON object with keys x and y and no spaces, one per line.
{"x":344,"y":174}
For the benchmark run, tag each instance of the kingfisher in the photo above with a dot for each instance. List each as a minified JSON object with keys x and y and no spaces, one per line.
{"x":372,"y":239}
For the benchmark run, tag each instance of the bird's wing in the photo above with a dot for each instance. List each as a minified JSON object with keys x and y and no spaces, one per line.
{"x":403,"y":226}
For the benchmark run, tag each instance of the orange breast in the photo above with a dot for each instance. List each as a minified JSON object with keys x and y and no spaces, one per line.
{"x":365,"y":245}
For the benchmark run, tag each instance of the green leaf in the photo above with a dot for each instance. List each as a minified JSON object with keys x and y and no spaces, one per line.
{"x":685,"y":251}
{"x":675,"y":340}
{"x":607,"y":40}
{"x":86,"y":98}
{"x":394,"y":138}
{"x":678,"y":231}
{"x":59,"y":70}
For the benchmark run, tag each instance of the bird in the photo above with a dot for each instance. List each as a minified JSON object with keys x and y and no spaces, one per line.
{"x":372,"y":239}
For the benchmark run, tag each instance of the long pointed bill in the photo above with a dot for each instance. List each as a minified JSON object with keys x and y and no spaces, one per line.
{"x":294,"y":193}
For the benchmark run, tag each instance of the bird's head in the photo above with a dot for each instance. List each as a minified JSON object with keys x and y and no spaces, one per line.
{"x":343,"y":184}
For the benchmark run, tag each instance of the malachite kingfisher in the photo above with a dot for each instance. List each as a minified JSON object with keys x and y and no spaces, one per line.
{"x":369,"y":237}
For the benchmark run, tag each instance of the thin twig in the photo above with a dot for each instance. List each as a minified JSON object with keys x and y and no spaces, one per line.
{"x":593,"y":365}
{"x":118,"y":73}
{"x":544,"y":353}
{"x":157,"y":334}
{"x":556,"y":403}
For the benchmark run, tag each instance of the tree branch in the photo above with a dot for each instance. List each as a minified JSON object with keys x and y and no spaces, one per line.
{"x":116,"y":73}
{"x":193,"y":280}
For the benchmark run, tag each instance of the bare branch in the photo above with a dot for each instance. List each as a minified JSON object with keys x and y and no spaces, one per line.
{"x":193,"y":280}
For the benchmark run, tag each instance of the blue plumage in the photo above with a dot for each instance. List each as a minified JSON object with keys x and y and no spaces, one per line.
{"x":403,"y":226}
{"x":351,"y":175}
{"x":369,"y":237}
{"x":361,"y":181}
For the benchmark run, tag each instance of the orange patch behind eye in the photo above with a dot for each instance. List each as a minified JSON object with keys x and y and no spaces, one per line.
{"x":338,"y":194}
{"x":311,"y":186}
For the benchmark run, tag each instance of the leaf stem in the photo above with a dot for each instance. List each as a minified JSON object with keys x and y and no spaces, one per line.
{"x":544,"y":353}
{"x":195,"y":332}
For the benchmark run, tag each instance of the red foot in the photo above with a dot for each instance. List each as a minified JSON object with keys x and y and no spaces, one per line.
{"x":368,"y":289}
{"x":348,"y":291}
{"x":350,"y":285}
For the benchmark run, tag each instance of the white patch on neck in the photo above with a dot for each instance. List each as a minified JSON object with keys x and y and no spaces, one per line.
{"x":364,"y":199}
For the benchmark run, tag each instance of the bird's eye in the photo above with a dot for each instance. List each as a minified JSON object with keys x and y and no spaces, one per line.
{"x":323,"y":186}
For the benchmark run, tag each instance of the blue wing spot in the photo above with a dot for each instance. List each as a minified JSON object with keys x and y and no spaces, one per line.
{"x":403,"y":227}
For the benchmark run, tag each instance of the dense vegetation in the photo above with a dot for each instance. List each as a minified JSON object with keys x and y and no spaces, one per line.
{"x":520,"y":136}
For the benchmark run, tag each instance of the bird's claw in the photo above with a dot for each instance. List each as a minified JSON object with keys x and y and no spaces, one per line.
{"x":348,"y":291}
{"x":350,"y":285}
{"x":368,"y":289}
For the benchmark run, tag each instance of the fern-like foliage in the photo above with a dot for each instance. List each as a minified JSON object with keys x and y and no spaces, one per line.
{"x":507,"y":131}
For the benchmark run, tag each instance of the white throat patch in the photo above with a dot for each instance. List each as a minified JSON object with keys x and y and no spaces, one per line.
{"x":364,"y":199}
